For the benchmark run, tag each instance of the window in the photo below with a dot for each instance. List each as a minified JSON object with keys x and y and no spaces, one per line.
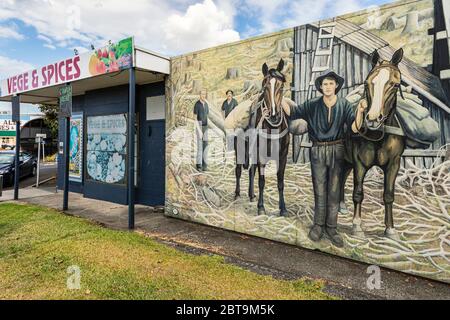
{"x":76,"y":147}
{"x":106,"y":149}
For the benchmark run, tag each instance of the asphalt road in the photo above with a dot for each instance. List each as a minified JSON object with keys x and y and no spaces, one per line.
{"x":47,"y":171}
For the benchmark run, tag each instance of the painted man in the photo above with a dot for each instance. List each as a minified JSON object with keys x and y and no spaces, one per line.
{"x":229,"y":104}
{"x":327,"y":116}
{"x":201,"y":111}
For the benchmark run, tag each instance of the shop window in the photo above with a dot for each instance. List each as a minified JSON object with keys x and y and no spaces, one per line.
{"x":106,"y":149}
{"x":76,"y":147}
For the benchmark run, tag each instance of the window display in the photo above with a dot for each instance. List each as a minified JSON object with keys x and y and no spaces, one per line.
{"x":76,"y":147}
{"x":107,"y":148}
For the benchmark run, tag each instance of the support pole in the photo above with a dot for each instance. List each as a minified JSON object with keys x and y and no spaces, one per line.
{"x":43,"y":150}
{"x":17,"y":163}
{"x":66,"y":164}
{"x":38,"y":162}
{"x":131,"y":138}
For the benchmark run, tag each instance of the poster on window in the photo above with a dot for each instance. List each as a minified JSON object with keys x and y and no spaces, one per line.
{"x":106,"y":148}
{"x":76,"y":147}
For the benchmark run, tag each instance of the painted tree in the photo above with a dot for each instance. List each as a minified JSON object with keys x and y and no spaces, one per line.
{"x":412,"y":22}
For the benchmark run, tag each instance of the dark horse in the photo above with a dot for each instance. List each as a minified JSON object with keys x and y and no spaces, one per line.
{"x":271,"y":137}
{"x":379,"y":141}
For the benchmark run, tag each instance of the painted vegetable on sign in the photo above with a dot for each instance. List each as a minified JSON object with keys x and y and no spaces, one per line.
{"x":115,"y":57}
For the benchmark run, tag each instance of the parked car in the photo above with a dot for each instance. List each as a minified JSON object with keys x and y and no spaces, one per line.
{"x":28,"y":166}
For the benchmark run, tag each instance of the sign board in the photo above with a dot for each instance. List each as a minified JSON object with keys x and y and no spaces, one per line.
{"x":65,"y":101}
{"x":15,"y":109}
{"x":112,"y":58}
{"x":40,"y":137}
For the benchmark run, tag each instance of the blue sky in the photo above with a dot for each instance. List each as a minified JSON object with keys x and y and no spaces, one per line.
{"x":37,"y":32}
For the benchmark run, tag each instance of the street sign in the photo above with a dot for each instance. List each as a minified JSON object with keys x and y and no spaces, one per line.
{"x":15,"y":108}
{"x":41,"y":135}
{"x":65,"y":101}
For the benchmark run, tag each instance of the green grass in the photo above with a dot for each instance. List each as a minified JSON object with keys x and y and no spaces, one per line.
{"x":38,"y":244}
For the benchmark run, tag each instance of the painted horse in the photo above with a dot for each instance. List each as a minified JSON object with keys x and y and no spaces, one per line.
{"x":269,"y":132}
{"x":379,"y":141}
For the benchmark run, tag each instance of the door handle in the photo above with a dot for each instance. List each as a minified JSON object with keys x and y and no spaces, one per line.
{"x":149,"y":130}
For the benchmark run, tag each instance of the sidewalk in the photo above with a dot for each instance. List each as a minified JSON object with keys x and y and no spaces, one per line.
{"x":344,"y":278}
{"x":28,"y":193}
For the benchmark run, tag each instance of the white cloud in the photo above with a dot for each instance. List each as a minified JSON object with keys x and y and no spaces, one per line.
{"x":170,"y":27}
{"x":50,"y":46}
{"x":81,"y":50}
{"x":10,"y":32}
{"x":203,"y":25}
{"x":10,"y":67}
{"x":44,"y":38}
{"x":278,"y":14}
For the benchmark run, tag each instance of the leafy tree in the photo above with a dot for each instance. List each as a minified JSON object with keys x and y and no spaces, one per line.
{"x":50,"y":117}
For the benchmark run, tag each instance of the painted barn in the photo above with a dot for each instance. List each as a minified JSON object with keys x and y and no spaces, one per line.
{"x":346,"y":48}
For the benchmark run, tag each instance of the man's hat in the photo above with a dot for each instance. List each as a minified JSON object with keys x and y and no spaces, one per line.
{"x":329,"y":74}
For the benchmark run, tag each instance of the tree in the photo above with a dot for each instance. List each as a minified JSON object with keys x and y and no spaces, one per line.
{"x":412,"y":22}
{"x":50,"y":117}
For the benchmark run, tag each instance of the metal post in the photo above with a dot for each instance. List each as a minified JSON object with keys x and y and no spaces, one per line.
{"x":17,"y":163}
{"x":43,"y":151}
{"x":66,"y":164}
{"x":131,"y":133}
{"x":38,"y":162}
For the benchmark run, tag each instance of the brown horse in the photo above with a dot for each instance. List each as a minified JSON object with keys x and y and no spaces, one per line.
{"x":271,"y":126}
{"x":379,"y":141}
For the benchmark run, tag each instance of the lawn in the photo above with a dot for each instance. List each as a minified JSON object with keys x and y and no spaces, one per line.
{"x":38,"y":245}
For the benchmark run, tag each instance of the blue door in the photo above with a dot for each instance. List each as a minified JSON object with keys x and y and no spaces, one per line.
{"x":151,"y":156}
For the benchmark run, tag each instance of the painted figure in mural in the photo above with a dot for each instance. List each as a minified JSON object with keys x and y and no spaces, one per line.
{"x":380,"y":140}
{"x":201,"y":111}
{"x":229,"y":104}
{"x":272,"y":130}
{"x":327,"y":116}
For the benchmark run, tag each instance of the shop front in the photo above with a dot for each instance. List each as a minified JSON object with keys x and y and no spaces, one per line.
{"x":116,"y":91}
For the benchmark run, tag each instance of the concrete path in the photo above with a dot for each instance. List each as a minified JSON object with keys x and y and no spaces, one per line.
{"x":28,"y":193}
{"x":344,"y":278}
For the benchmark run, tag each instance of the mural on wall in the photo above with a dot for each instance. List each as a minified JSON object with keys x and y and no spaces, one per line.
{"x":332,"y":136}
{"x":107,"y":148}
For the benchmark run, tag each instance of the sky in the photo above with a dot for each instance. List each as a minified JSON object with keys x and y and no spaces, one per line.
{"x":37,"y":32}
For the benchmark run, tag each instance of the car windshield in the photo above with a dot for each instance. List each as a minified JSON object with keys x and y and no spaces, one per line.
{"x":6,"y":158}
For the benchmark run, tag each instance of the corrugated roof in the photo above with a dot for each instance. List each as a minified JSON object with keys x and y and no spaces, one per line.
{"x":414,"y":75}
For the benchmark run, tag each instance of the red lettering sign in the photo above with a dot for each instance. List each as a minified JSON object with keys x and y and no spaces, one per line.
{"x":77,"y":74}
